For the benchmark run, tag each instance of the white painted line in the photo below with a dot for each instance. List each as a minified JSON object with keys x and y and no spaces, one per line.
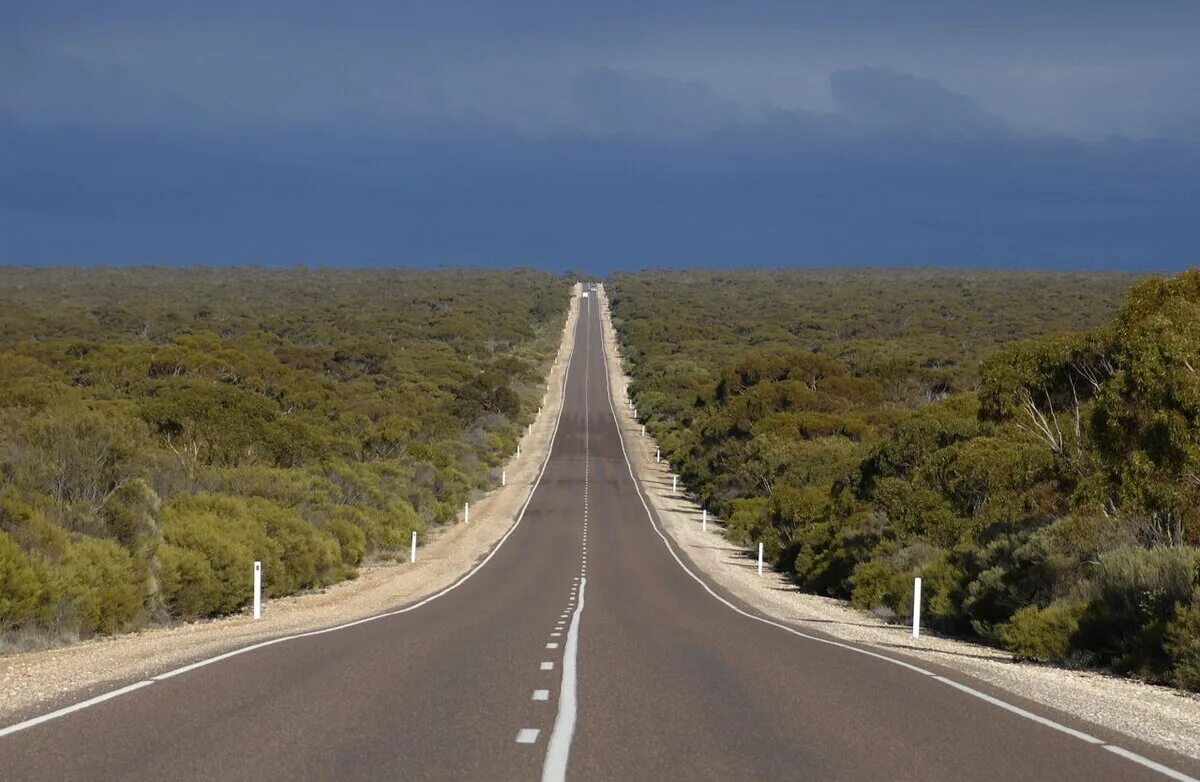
{"x":547,"y":666}
{"x":282,"y":639}
{"x":1165,"y":770}
{"x":983,"y":696}
{"x":555,"y":635}
{"x":541,"y":695}
{"x":527,"y":735}
{"x":551,"y":645}
{"x":558,"y":749}
{"x":74,"y":707}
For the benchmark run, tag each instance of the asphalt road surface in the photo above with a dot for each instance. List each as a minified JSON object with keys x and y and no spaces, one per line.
{"x":582,"y":648}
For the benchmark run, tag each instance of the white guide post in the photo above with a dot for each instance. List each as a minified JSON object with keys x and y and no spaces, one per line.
{"x":518,"y":450}
{"x":657,"y":455}
{"x":504,"y":477}
{"x":412,"y":555}
{"x":643,"y":430}
{"x":674,"y":482}
{"x":466,"y":513}
{"x":529,"y":429}
{"x":916,"y":608}
{"x":760,"y":559}
{"x":258,"y":590}
{"x":704,"y":520}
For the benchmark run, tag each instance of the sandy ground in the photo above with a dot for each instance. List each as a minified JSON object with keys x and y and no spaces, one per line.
{"x":1159,"y":715}
{"x":32,"y":682}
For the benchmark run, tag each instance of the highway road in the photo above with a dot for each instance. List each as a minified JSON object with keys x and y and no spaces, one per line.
{"x":582,"y":648}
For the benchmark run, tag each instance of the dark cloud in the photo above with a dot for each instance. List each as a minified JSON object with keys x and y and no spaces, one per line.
{"x":610,"y":134}
{"x":612,"y":101}
{"x":884,"y":96}
{"x":789,"y":188}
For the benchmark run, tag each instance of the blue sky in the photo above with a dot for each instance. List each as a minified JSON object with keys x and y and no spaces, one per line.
{"x":602,"y":135}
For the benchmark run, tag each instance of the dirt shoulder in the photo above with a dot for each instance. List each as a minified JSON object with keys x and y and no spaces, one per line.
{"x":1158,"y":715}
{"x":33,"y":682}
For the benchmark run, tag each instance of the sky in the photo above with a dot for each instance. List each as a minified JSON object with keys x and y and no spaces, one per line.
{"x":600,"y":136}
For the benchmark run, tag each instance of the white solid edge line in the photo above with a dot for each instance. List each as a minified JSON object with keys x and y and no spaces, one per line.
{"x":558,"y":749}
{"x":1166,"y":771}
{"x":1146,"y":762}
{"x":1090,"y":739}
{"x":74,"y":707}
{"x":29,"y":723}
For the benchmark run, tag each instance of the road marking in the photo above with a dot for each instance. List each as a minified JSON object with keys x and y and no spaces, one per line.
{"x":551,"y":645}
{"x":1166,"y":771}
{"x":558,"y":749}
{"x":527,"y":735}
{"x":74,"y":707}
{"x":1022,"y":712}
{"x":1131,"y":756}
{"x":283,"y":639}
{"x":547,"y":666}
{"x":555,"y":635}
{"x":541,"y":695}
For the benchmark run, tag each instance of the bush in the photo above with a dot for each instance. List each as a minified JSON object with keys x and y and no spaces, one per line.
{"x":1134,"y":598}
{"x":1043,"y":634}
{"x":188,"y":585}
{"x":351,"y":540}
{"x":1183,"y":643}
{"x":24,"y":593}
{"x":103,"y":586}
{"x":876,"y":584}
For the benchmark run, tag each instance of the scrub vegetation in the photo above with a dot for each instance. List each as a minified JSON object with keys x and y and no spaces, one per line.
{"x":1027,"y":443}
{"x":161,"y":429}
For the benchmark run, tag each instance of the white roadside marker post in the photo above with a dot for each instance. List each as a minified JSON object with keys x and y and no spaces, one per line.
{"x":657,"y":455}
{"x":466,"y":513}
{"x":518,"y":450}
{"x":704,"y":520}
{"x":504,"y":477}
{"x":674,"y":482}
{"x":257,"y":590}
{"x":760,"y":559}
{"x":412,"y":556}
{"x":917,"y":607}
{"x":643,"y":430}
{"x":529,"y":429}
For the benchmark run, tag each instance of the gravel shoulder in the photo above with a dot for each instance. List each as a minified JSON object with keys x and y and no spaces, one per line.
{"x":1158,"y":715}
{"x":33,"y":682}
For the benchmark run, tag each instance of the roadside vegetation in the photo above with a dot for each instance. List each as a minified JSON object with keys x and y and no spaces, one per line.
{"x":1027,"y":443}
{"x":161,"y":429}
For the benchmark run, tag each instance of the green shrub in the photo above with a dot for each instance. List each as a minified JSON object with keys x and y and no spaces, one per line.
{"x":1043,"y":634}
{"x":102,"y":585}
{"x":228,"y":546}
{"x":351,"y":540}
{"x":1135,"y":594}
{"x":188,"y":585}
{"x":24,"y":591}
{"x":876,"y":584}
{"x":1183,"y":643}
